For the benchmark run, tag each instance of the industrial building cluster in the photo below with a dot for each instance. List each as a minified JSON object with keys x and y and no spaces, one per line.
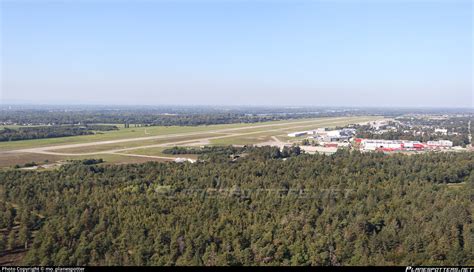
{"x":346,"y":138}
{"x":327,"y":135}
{"x":400,"y":145}
{"x":328,"y":138}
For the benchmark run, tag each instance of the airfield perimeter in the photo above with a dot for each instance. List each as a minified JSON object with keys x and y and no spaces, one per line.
{"x":138,"y":144}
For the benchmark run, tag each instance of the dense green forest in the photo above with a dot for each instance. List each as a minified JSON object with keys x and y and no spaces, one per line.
{"x":348,"y":208}
{"x":39,"y":132}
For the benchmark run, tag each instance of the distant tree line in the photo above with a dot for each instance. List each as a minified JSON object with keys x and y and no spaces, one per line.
{"x":40,"y":132}
{"x":131,"y":119}
{"x":186,"y":116}
{"x":165,"y":116}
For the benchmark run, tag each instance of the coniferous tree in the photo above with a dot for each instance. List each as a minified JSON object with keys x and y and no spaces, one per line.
{"x":11,"y":240}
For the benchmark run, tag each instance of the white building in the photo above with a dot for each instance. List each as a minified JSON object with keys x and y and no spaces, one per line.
{"x":372,"y":144}
{"x":440,"y":143}
{"x":180,"y":160}
{"x":297,"y":134}
{"x":375,"y":144}
{"x":378,"y":124}
{"x":333,"y":133}
{"x":443,"y":131}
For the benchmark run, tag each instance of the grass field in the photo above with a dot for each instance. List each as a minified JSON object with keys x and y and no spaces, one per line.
{"x":138,"y":144}
{"x":123,"y":133}
{"x":134,"y":144}
{"x":243,"y":140}
{"x":158,"y":151}
{"x":134,"y":132}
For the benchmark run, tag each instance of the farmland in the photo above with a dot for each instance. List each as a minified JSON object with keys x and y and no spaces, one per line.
{"x":137,"y":144}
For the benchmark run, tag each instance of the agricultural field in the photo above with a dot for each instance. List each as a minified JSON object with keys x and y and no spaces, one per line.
{"x":138,"y":144}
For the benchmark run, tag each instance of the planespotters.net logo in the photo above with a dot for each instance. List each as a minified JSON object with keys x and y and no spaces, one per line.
{"x":439,"y":269}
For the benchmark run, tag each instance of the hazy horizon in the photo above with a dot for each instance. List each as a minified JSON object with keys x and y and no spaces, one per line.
{"x":228,"y":106}
{"x":232,"y":53}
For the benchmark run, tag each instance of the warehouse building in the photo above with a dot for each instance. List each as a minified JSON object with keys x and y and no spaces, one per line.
{"x":297,"y":134}
{"x":389,"y":145}
{"x":341,"y":135}
{"x":440,"y":144}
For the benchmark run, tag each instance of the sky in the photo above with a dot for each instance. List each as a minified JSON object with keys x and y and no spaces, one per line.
{"x":313,"y":53}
